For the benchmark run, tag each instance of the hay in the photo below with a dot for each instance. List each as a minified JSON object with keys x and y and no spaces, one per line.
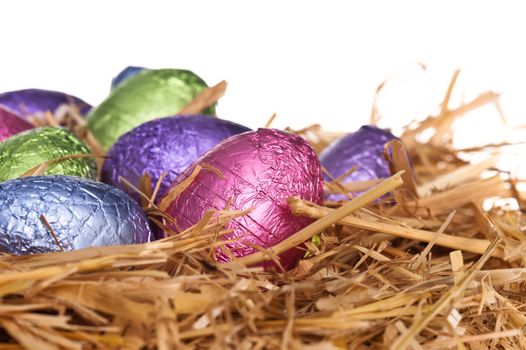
{"x":414,"y":262}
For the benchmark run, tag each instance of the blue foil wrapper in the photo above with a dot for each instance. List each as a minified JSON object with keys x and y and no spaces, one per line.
{"x":31,"y":102}
{"x":166,"y":145}
{"x":127,"y":72}
{"x":364,"y":150}
{"x":82,"y":213}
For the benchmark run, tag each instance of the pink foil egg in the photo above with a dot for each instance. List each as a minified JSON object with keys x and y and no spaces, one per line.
{"x":11,"y":124}
{"x":261,"y":170}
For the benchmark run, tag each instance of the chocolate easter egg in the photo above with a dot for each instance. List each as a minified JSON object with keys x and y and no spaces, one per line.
{"x":362,"y":150}
{"x":147,"y":95}
{"x":81,"y":213}
{"x":11,"y":124}
{"x":126,"y":73}
{"x":260,"y":171}
{"x":36,"y":102}
{"x":58,"y":148}
{"x":166,"y":145}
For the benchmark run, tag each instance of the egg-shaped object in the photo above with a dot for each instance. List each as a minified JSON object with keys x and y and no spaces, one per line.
{"x":148,"y":95}
{"x":166,"y":145}
{"x":81,"y":213}
{"x":61,"y":151}
{"x":36,"y":102}
{"x":362,"y":150}
{"x":126,"y":73}
{"x":11,"y":124}
{"x":260,"y":171}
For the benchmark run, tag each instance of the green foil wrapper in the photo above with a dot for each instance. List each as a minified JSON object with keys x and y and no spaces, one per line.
{"x":22,"y":152}
{"x":148,"y":95}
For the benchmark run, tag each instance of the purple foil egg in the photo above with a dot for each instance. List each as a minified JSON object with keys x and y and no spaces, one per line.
{"x":11,"y":124}
{"x":364,"y":150}
{"x":31,"y":102}
{"x":166,"y":145}
{"x":261,"y":170}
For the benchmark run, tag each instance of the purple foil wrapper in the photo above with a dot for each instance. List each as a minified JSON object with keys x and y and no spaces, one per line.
{"x":363,"y":149}
{"x":30,"y":102}
{"x":166,"y":145}
{"x":11,"y":124}
{"x":261,"y":170}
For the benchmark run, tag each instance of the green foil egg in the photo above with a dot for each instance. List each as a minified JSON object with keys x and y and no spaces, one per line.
{"x":22,"y":152}
{"x":148,"y":95}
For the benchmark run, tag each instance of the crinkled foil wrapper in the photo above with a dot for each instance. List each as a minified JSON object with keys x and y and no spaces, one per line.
{"x":31,"y":102}
{"x":22,"y":152}
{"x":261,"y":170}
{"x":167,"y":145}
{"x":11,"y":124}
{"x":148,"y":95}
{"x":363,"y":149}
{"x":82,"y":213}
{"x":126,"y":73}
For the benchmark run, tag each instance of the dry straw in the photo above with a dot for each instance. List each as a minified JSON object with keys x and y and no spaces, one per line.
{"x":414,"y":262}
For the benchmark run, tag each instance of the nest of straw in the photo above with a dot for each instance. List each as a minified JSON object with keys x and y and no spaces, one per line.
{"x":413,"y":262}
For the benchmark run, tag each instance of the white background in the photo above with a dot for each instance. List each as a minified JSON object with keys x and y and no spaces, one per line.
{"x":310,"y":62}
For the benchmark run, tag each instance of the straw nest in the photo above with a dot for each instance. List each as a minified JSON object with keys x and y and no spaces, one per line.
{"x":413,"y":262}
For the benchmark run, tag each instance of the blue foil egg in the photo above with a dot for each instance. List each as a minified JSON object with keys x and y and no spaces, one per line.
{"x":126,"y":73}
{"x":81,"y":212}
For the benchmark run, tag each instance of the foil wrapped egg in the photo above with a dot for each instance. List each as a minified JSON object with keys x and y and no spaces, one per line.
{"x":61,"y":151}
{"x":126,"y":73}
{"x":260,"y":171}
{"x":81,"y":213}
{"x":362,"y":150}
{"x":11,"y":124}
{"x":166,"y":145}
{"x":36,"y":102}
{"x":145,"y":96}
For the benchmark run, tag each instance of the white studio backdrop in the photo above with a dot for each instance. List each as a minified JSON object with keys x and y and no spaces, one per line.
{"x":309,"y":62}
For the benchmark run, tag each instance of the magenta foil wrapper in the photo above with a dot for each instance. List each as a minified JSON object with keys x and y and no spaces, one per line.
{"x":364,"y":150}
{"x":261,"y":170}
{"x":11,"y":124}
